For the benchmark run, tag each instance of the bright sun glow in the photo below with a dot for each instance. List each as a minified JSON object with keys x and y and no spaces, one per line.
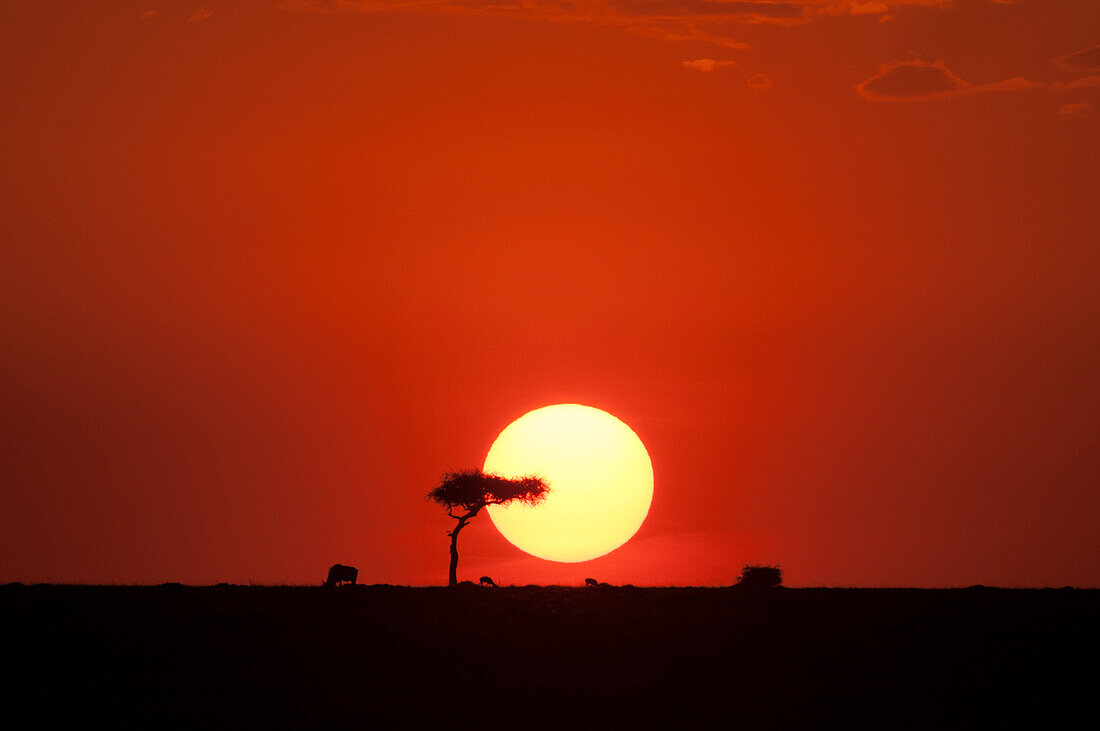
{"x":600,"y":477}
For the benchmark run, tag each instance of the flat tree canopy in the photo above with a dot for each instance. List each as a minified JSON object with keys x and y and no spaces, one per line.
{"x":472,"y":490}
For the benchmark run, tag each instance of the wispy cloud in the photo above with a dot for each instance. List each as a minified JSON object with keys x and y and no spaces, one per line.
{"x":748,"y":12}
{"x":706,"y":65}
{"x":1084,"y":60}
{"x":1078,"y":108}
{"x":1084,"y":82}
{"x":200,"y":14}
{"x":708,"y":21}
{"x":922,"y":80}
{"x":868,"y":7}
{"x":759,"y":81}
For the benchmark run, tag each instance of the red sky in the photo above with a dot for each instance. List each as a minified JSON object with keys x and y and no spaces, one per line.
{"x":270,"y":269}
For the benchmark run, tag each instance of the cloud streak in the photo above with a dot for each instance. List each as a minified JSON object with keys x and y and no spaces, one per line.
{"x":1085,"y":82}
{"x":1084,"y":60}
{"x":759,"y":81}
{"x":751,"y":12}
{"x":1078,"y":108}
{"x":708,"y":21}
{"x":706,"y":65}
{"x":905,"y":81}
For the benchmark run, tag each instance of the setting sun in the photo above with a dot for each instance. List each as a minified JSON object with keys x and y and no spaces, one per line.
{"x":600,"y":477}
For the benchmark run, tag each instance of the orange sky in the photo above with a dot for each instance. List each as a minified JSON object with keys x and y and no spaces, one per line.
{"x":270,"y":269}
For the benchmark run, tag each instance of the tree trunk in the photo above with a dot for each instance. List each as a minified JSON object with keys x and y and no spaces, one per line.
{"x":452,"y":577}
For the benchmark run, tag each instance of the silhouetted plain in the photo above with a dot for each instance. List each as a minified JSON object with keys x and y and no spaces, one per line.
{"x":548,"y":657}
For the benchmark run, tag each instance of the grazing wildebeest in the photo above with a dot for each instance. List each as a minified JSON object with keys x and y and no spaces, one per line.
{"x":487,"y":581}
{"x":591,"y":582}
{"x":340,"y":574}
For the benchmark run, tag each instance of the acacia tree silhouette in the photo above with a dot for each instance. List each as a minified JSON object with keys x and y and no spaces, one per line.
{"x":471,"y":490}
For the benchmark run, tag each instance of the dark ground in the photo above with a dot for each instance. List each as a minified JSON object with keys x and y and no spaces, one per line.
{"x":550,"y":656}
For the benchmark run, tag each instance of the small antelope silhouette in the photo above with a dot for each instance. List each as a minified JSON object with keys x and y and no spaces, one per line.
{"x":340,"y":574}
{"x":591,"y":582}
{"x":487,"y":581}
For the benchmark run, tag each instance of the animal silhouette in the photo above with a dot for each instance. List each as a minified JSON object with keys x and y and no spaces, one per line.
{"x":487,"y":581}
{"x":591,"y":582}
{"x":340,"y":574}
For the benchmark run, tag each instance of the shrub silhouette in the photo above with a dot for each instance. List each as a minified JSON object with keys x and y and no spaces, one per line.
{"x":754,"y":576}
{"x":470,"y":491}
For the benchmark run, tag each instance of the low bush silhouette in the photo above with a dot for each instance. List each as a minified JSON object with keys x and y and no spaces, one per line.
{"x":754,"y":576}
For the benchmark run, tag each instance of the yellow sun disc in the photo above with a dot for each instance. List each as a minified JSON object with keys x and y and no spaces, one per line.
{"x":600,"y":477}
